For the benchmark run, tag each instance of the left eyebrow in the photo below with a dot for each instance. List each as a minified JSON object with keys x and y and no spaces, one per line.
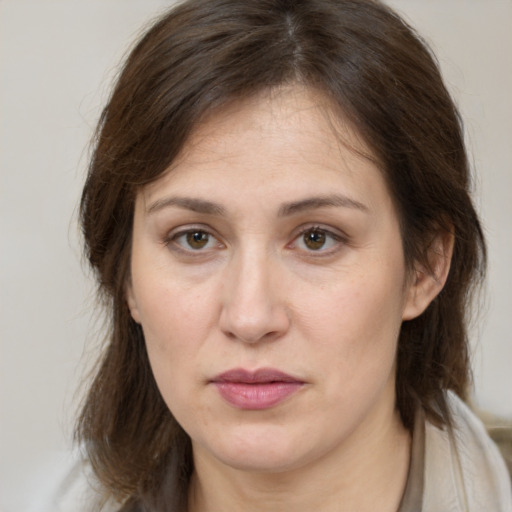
{"x":312,"y":203}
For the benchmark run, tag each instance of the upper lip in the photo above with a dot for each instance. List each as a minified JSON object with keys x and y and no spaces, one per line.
{"x":260,"y":376}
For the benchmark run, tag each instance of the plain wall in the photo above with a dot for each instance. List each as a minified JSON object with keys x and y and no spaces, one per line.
{"x":57,"y":60}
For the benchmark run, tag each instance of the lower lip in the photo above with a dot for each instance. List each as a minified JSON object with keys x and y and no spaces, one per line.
{"x":256,"y":396}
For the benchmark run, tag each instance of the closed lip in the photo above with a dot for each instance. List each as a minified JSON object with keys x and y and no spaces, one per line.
{"x":256,"y":390}
{"x":259,"y":376}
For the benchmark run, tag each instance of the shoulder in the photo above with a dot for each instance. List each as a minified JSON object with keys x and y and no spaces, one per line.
{"x":464,"y":470}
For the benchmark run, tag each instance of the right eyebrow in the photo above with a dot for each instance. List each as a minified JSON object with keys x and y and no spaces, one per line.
{"x":187,"y":203}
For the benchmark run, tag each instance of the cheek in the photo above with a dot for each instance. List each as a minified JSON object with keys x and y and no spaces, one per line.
{"x":173,"y":319}
{"x":176,"y":319}
{"x":175,"y":325}
{"x":359,"y":302}
{"x":355,"y":324}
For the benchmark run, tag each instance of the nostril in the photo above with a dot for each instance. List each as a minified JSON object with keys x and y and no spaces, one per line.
{"x":254,"y":338}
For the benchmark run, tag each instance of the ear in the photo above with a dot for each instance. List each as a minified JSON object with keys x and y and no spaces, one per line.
{"x":132,"y":303}
{"x":428,"y":281}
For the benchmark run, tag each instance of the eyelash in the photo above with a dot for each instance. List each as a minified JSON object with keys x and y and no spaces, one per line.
{"x":172,"y":240}
{"x":336,"y":239}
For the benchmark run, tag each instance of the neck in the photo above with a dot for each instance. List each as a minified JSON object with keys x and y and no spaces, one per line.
{"x":368,"y":473}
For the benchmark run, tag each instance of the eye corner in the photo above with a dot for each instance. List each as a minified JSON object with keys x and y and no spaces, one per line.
{"x":316,"y":240}
{"x":192,"y":241}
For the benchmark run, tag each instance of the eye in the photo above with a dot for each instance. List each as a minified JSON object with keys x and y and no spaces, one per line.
{"x":194,"y":240}
{"x":316,"y":239}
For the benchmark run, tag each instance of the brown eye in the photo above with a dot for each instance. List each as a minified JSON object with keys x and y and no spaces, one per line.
{"x":194,"y":241}
{"x":197,"y":239}
{"x":314,"y":239}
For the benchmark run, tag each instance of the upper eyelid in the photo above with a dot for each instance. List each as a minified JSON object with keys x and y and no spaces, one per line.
{"x":339,"y":239}
{"x":175,"y":233}
{"x":296,"y":232}
{"x":335,"y":233}
{"x":181,"y":230}
{"x":171,"y":244}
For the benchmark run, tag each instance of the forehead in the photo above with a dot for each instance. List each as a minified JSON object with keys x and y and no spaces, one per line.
{"x":289,"y":137}
{"x":286,"y":115}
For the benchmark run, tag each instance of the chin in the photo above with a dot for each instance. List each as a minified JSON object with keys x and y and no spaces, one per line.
{"x":264,"y":451}
{"x":262,"y":461}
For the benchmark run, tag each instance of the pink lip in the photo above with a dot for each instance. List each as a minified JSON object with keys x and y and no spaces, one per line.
{"x":261,"y":389}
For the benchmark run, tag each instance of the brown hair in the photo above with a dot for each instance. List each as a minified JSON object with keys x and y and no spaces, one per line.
{"x":200,"y":55}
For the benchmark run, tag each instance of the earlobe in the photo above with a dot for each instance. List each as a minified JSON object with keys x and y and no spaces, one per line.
{"x":428,"y":281}
{"x":132,"y":303}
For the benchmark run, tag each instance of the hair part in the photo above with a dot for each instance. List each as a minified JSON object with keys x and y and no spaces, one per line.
{"x":376,"y":71}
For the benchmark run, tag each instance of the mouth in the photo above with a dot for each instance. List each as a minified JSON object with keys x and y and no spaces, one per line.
{"x":256,"y":390}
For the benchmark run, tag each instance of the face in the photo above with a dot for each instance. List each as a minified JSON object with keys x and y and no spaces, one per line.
{"x":268,"y":276}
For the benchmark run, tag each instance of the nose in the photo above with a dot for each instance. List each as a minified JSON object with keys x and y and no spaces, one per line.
{"x":253,"y":307}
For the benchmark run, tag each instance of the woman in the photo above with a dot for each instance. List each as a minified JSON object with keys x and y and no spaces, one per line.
{"x":277,"y":210}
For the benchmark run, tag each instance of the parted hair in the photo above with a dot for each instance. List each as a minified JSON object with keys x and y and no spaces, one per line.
{"x":374,"y":70}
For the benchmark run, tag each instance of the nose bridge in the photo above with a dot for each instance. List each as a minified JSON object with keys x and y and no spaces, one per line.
{"x":252,"y":307}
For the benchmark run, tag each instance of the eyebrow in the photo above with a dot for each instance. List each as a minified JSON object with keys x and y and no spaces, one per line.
{"x":312,"y":203}
{"x":210,"y":208}
{"x":187,"y":203}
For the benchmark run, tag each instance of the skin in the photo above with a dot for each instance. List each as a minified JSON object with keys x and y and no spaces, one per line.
{"x":252,"y":293}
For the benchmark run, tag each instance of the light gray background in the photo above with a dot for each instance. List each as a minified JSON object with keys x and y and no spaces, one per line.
{"x":57,"y":60}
